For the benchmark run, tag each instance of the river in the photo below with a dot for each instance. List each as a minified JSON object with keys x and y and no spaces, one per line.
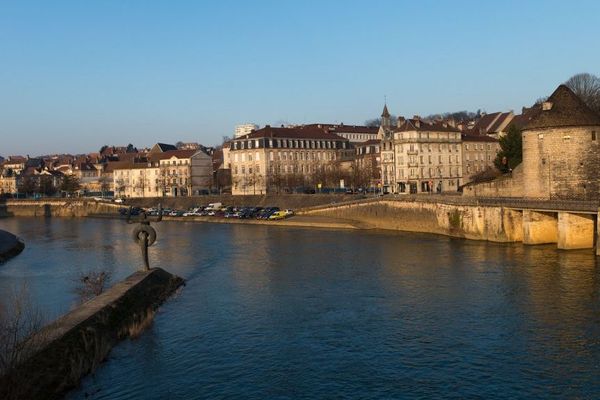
{"x":283,"y":313}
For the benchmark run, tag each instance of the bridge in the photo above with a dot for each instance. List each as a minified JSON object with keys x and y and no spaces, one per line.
{"x":568,"y":224}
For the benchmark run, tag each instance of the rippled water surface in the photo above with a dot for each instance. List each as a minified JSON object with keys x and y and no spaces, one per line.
{"x":278,"y":313}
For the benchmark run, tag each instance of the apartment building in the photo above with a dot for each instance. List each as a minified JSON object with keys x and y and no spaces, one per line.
{"x":270,"y":159}
{"x":478,"y":154}
{"x":427,"y":157}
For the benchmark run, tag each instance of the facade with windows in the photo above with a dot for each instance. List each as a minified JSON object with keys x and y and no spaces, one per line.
{"x":427,"y":157}
{"x":272,"y":159}
{"x":478,"y":154}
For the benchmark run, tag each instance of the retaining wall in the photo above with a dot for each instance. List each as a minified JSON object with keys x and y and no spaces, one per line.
{"x":76,"y":343}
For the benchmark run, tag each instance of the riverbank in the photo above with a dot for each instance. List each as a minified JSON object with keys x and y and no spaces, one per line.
{"x":10,"y":245}
{"x":298,"y":221}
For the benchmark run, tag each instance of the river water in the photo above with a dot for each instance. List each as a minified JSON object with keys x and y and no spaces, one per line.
{"x":280,"y":313}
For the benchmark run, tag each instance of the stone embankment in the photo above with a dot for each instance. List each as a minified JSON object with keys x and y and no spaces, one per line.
{"x":75,"y":344}
{"x":491,"y":223}
{"x":10,"y":245}
{"x":58,"y":208}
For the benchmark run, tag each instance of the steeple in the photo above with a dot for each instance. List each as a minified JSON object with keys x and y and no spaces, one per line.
{"x":385,"y":117}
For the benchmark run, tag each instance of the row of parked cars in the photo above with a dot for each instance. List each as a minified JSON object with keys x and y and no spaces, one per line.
{"x":218,"y":210}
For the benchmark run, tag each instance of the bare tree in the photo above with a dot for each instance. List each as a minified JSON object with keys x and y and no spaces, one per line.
{"x":19,"y":320}
{"x":91,"y":284}
{"x":587,"y":87}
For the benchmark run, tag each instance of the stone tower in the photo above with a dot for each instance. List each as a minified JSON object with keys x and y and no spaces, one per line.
{"x":561,"y":151}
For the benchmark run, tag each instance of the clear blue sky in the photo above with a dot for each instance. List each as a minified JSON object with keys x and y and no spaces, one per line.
{"x":78,"y":74}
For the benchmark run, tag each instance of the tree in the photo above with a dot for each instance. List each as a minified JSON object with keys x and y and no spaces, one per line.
{"x":70,"y":184}
{"x":587,"y":88}
{"x":104,"y":184}
{"x":103,"y":148}
{"x":130,"y":149}
{"x":27,"y":185}
{"x":46,"y":186}
{"x":376,"y":122}
{"x":179,"y":144}
{"x":511,"y":150}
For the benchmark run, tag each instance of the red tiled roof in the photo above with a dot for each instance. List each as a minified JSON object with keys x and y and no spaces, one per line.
{"x":172,"y":153}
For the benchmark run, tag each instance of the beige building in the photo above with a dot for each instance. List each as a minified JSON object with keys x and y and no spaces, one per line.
{"x":427,"y":157}
{"x":561,"y":151}
{"x":136,"y":179}
{"x":170,"y":173}
{"x":478,"y":154}
{"x":274,"y":159}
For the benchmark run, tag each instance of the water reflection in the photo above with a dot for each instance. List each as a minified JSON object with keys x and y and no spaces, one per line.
{"x":297,"y":313}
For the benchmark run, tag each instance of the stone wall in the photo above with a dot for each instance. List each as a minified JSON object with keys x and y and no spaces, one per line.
{"x":76,"y":343}
{"x":510,"y":185}
{"x":496,"y":224}
{"x":562,"y":163}
{"x":58,"y":208}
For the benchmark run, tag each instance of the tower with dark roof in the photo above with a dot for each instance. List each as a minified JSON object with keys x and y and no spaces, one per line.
{"x":561,"y":149}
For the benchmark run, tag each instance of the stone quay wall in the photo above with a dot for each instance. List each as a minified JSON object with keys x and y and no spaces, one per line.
{"x":493,"y":223}
{"x":75,"y":344}
{"x":58,"y":208}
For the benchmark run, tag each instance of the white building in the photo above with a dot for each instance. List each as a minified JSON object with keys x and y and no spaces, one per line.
{"x":241,"y":130}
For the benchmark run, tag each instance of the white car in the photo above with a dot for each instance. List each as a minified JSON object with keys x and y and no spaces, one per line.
{"x":119,"y":200}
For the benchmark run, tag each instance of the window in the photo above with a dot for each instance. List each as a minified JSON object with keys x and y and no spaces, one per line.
{"x":593,"y":135}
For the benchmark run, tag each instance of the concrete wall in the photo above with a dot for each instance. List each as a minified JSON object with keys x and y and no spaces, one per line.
{"x":76,"y":343}
{"x":496,"y":224}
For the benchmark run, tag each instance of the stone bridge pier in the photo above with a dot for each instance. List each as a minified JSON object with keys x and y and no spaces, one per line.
{"x":576,"y":231}
{"x":539,"y":227}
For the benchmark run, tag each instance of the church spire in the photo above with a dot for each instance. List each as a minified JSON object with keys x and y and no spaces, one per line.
{"x":385,"y":117}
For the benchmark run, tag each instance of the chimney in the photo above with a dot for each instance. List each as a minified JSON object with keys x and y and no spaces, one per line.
{"x":547,"y":106}
{"x":418,"y":123}
{"x":400,"y":121}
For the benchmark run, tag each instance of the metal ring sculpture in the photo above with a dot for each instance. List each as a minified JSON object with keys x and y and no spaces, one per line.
{"x":144,"y":234}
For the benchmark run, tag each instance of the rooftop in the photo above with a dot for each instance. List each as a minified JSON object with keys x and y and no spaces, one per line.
{"x":563,"y":108}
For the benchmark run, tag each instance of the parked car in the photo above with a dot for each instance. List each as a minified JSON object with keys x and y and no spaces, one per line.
{"x":278,"y":215}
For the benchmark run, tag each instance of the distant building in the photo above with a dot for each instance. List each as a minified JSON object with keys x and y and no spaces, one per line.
{"x":354,"y":133}
{"x":244,"y":129}
{"x":494,"y":124}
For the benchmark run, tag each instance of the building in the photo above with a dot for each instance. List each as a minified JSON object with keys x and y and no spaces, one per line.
{"x":136,"y":179}
{"x":478,"y":154}
{"x":561,"y":153}
{"x":387,"y":158}
{"x":244,"y":129}
{"x":354,"y":133}
{"x":201,"y":172}
{"x":494,"y":124}
{"x":274,"y":159}
{"x":427,"y":157}
{"x":367,"y":163}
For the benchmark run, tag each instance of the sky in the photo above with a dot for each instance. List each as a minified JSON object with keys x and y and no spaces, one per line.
{"x":75,"y":75}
